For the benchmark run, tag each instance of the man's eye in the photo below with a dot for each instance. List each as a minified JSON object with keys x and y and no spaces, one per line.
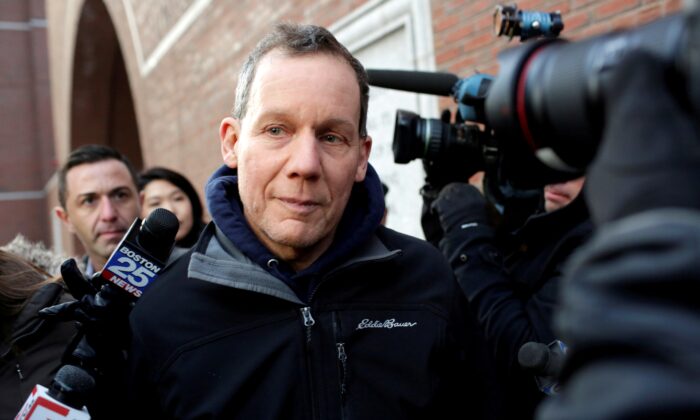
{"x":122,"y":195}
{"x":87,"y":201}
{"x":275,"y":131}
{"x":331,"y":138}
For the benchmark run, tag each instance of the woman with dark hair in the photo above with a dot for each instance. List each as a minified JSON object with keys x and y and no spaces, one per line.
{"x":165,"y":188}
{"x":30,"y":347}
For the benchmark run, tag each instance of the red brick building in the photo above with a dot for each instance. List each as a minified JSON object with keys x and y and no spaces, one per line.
{"x":154,"y":78}
{"x":26,"y":137}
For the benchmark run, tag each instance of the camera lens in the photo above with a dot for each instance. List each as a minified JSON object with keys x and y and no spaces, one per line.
{"x":404,"y":136}
{"x":418,"y":138}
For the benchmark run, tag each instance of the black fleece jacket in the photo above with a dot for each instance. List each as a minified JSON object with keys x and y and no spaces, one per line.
{"x":371,"y":331}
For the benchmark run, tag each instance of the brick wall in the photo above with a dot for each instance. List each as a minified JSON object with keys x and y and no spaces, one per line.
{"x":26,"y":142}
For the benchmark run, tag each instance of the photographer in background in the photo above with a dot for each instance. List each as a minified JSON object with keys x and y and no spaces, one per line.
{"x":629,"y":309}
{"x":511,"y":277}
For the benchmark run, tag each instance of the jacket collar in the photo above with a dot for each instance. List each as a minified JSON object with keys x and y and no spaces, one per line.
{"x":218,"y":260}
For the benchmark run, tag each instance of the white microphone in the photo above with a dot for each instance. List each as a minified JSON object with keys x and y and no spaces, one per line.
{"x":65,"y":399}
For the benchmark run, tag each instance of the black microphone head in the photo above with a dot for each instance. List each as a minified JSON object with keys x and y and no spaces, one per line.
{"x":157,"y":234}
{"x":434,"y":83}
{"x":72,"y":386}
{"x":533,"y":356}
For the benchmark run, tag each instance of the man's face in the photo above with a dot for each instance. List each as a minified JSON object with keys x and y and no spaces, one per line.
{"x":101,"y":204}
{"x":298,"y":152}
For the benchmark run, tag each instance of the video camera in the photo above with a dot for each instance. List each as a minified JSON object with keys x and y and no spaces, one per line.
{"x":540,"y":120}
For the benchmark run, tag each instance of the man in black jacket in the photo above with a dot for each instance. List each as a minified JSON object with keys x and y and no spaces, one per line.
{"x":296,"y":303}
{"x":511,"y":279}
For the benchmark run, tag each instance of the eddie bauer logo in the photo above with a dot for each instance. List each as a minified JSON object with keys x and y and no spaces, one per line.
{"x":389,"y":323}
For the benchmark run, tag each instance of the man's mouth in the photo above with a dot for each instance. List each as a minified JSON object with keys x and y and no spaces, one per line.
{"x":298,"y":206}
{"x":112,"y":234}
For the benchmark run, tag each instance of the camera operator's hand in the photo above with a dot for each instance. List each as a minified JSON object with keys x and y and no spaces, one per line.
{"x":650,"y":152}
{"x":464,"y":217}
{"x":460,"y":204}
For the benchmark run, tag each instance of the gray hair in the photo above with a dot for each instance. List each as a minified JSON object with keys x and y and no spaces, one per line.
{"x":294,"y":39}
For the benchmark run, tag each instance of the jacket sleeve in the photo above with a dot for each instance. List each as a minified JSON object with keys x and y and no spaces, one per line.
{"x":506,"y":317}
{"x":630,"y":316}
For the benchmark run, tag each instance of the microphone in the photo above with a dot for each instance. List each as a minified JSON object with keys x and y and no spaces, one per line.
{"x":545,"y":362}
{"x":64,"y":400}
{"x":133,"y":266}
{"x":434,"y":83}
{"x":142,"y":252}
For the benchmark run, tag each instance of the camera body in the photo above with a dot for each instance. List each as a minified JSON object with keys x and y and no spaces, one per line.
{"x":540,"y":120}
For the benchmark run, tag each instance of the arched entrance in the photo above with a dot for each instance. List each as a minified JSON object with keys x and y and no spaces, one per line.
{"x":102,"y":107}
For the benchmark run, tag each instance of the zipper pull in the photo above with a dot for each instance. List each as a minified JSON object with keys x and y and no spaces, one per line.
{"x":342,"y":357}
{"x":341,"y":353}
{"x":308,"y":321}
{"x":19,"y":372}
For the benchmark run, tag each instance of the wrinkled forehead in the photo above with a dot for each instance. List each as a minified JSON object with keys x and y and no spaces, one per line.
{"x":279,"y":63}
{"x":308,"y":79}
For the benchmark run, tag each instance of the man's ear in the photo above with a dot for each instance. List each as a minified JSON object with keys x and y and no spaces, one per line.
{"x":142,"y":197}
{"x":62,"y":214}
{"x":365,"y":149}
{"x":228,"y":132}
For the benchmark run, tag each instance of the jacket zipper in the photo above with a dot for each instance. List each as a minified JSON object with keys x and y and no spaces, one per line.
{"x":19,"y":372}
{"x":342,"y":356}
{"x":309,"y":322}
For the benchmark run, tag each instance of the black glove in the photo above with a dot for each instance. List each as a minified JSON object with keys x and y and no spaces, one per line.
{"x":650,"y":153}
{"x":102,"y":316}
{"x":80,"y":287}
{"x":89,"y":309}
{"x":460,"y":204}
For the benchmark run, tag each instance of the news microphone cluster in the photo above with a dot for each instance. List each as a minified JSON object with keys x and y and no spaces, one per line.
{"x":135,"y":263}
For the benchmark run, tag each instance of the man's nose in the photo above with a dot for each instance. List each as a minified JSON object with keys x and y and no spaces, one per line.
{"x":108,"y":210}
{"x":305,"y":155}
